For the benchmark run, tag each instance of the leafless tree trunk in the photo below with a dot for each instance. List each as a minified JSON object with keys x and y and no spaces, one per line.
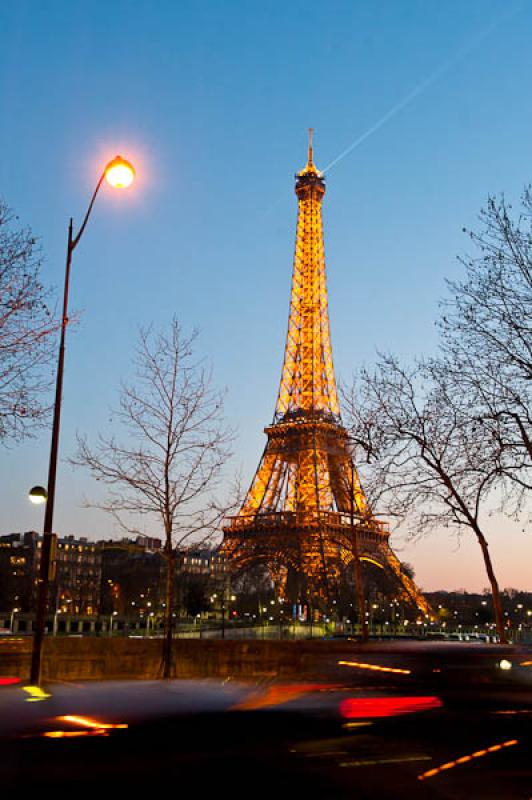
{"x":173,"y":455}
{"x":427,"y":462}
{"x":168,"y":611}
{"x":25,"y":327}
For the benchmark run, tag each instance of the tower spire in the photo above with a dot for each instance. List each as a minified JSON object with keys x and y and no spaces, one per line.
{"x":308,"y":384}
{"x":310,"y":168}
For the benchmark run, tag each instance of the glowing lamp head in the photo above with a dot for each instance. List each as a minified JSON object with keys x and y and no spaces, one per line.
{"x":38,"y":495}
{"x":119,"y":173}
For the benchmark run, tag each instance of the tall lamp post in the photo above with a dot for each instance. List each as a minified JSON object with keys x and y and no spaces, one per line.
{"x":359,"y":585}
{"x":119,"y":174}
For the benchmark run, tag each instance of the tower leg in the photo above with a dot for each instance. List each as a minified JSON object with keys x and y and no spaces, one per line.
{"x":407,"y":584}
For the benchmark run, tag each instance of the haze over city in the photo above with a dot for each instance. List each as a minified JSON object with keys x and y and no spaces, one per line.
{"x":212,"y":104}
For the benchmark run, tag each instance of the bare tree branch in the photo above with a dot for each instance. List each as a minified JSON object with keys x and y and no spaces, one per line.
{"x":486,"y":329}
{"x":427,"y":462}
{"x":26,"y":323}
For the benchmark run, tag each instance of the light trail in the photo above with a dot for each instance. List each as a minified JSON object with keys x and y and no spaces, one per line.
{"x":374,"y":667}
{"x":88,"y":722}
{"x":515,"y":711}
{"x":74,"y":734}
{"x":280,"y":693}
{"x":36,"y":694}
{"x":375,"y":761}
{"x":371,"y":707}
{"x":92,"y":727}
{"x":466,"y":759}
{"x":459,"y":56}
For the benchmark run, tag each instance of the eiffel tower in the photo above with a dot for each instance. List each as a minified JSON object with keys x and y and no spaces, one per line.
{"x":297,"y":516}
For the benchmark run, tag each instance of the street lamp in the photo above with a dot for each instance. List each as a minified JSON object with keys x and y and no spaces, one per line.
{"x":37,"y":495}
{"x":12,"y":620}
{"x":359,"y":586}
{"x":119,"y":174}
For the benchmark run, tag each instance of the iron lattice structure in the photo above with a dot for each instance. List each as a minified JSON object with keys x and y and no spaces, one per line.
{"x":305,"y":505}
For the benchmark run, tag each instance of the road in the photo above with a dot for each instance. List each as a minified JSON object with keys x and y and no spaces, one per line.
{"x":387,"y":722}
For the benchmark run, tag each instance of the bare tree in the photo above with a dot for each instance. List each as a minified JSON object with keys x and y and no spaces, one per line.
{"x":487,"y":335}
{"x":172,"y":459}
{"x":25,"y":325}
{"x":427,"y":462}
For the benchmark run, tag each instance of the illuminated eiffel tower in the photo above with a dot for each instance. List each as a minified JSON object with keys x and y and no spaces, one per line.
{"x":297,"y":516}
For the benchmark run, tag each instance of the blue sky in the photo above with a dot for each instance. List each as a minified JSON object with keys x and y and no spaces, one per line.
{"x":212,"y":102}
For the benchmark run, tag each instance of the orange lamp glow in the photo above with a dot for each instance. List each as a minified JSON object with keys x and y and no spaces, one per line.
{"x":119,"y":173}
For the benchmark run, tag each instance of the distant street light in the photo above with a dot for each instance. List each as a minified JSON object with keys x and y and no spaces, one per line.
{"x":119,"y":174}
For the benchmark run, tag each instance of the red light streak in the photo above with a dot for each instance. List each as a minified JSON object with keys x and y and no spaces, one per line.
{"x":364,"y":707}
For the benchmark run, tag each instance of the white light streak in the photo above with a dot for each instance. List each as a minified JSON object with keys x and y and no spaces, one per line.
{"x":421,"y":87}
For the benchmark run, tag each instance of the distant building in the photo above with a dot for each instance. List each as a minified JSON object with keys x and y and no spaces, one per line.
{"x":204,"y":561}
{"x":78,"y":576}
{"x":76,"y":588}
{"x":125,"y":577}
{"x":18,"y":559}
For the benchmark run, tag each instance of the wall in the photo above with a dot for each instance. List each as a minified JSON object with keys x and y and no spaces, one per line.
{"x":97,"y":658}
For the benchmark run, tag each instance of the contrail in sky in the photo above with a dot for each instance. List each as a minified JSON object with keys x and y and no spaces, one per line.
{"x":421,"y":87}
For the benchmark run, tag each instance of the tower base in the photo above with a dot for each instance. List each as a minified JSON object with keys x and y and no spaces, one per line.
{"x":308,"y":554}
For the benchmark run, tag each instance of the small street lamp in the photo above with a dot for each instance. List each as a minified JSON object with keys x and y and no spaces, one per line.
{"x":222,"y":609}
{"x":37,"y":495}
{"x":111,"y":618}
{"x":119,"y":173}
{"x":12,"y":620}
